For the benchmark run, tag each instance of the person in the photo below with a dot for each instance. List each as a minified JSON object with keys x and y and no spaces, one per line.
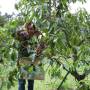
{"x":26,"y":49}
{"x":22,"y":36}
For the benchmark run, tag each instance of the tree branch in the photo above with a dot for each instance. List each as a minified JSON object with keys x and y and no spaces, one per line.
{"x":63,"y":81}
{"x":77,"y":76}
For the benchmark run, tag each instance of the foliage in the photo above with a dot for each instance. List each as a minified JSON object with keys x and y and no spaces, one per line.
{"x":67,"y":36}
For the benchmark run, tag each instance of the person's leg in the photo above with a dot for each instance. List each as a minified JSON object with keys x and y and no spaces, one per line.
{"x":21,"y":83}
{"x":30,"y":84}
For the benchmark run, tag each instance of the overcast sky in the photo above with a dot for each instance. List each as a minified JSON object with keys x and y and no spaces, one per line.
{"x":74,"y":7}
{"x":8,"y":6}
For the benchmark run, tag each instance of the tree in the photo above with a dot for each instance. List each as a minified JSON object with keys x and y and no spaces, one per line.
{"x":67,"y":36}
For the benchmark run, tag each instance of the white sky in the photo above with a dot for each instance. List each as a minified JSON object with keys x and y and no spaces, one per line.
{"x":8,"y":6}
{"x":77,"y":5}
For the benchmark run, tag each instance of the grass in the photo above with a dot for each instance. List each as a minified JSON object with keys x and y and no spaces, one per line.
{"x":53,"y":83}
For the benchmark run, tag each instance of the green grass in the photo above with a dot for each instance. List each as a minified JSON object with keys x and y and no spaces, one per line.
{"x":53,"y":83}
{"x":49,"y":84}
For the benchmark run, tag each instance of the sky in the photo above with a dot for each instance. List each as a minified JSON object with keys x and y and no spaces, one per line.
{"x":77,"y":5}
{"x":7,"y":6}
